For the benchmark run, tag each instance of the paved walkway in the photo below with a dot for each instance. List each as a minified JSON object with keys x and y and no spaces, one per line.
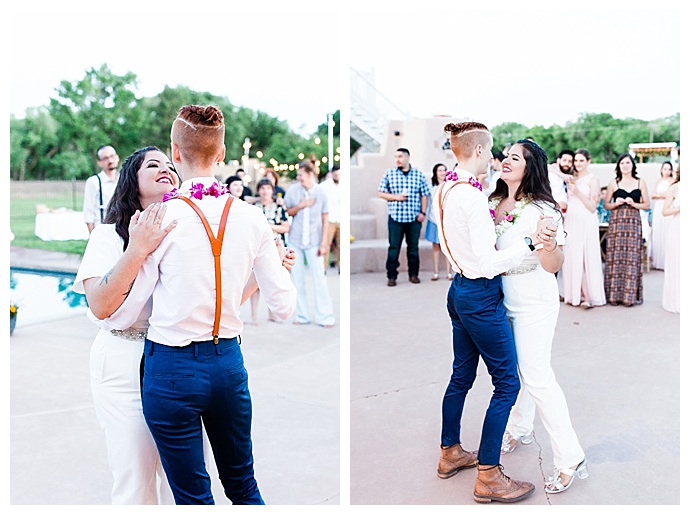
{"x":57,"y":450}
{"x":619,"y":369}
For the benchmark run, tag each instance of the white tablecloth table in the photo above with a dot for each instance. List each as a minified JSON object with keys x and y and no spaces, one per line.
{"x":61,"y":225}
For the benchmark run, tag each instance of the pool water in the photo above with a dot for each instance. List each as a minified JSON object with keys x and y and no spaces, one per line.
{"x":43,"y":296}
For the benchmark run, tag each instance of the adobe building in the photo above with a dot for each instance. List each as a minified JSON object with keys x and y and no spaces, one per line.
{"x":428,"y":144}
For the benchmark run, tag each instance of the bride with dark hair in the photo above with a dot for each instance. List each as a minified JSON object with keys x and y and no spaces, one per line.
{"x":523,"y":197}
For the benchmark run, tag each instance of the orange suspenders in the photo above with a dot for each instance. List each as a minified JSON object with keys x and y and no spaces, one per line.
{"x":440,"y":219}
{"x":216,"y":246}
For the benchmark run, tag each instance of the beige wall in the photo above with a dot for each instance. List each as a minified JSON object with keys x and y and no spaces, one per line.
{"x":424,"y":138}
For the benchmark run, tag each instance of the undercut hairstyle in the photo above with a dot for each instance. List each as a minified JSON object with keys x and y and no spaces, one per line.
{"x":125,"y":200}
{"x":535,"y":182}
{"x":465,"y":136}
{"x":619,"y":174}
{"x":199,"y":132}
{"x":403,"y":150}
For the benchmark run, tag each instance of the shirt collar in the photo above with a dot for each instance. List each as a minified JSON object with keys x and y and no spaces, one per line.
{"x":206,"y":181}
{"x":464,"y":174}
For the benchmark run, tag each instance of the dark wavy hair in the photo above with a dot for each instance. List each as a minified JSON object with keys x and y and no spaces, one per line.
{"x":535,"y":182}
{"x":125,"y":199}
{"x":619,"y":174}
{"x":434,"y":176}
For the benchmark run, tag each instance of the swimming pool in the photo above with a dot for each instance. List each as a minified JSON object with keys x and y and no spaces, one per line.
{"x":43,"y":296}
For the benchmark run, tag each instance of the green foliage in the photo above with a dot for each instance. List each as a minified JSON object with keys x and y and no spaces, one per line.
{"x":604,"y":136}
{"x":23,"y":224}
{"x":60,"y":141}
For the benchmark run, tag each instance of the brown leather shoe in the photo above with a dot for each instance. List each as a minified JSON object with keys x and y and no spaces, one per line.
{"x":454,"y":459}
{"x":493,"y":485}
{"x":391,"y":282}
{"x":414,"y":279}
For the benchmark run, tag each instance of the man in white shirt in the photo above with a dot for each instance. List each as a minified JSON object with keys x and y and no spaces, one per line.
{"x":480,"y":325}
{"x":306,"y":202}
{"x":99,"y":188}
{"x":193,"y":365}
{"x":560,"y":174}
{"x":331,"y":186}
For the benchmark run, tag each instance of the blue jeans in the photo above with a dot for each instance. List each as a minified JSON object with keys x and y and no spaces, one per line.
{"x":396,"y":232}
{"x":183,"y":386}
{"x":480,"y":328}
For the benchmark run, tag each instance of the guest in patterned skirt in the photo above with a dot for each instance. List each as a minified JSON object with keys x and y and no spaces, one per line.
{"x":626,"y":196}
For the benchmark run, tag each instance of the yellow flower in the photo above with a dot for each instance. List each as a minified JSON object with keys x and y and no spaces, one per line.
{"x":13,"y":310}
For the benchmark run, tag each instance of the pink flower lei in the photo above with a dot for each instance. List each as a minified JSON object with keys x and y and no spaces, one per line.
{"x":197,"y":191}
{"x":453,"y":176}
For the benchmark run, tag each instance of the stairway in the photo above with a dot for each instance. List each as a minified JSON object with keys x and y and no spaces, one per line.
{"x":370,"y":114}
{"x":369,"y":111}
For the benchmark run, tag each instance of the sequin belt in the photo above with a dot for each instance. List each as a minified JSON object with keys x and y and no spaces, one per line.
{"x":521,"y":269}
{"x":130,"y":334}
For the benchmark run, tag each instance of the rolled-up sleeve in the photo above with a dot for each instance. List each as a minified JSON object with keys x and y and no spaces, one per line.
{"x":142,"y":289}
{"x":273,"y":279}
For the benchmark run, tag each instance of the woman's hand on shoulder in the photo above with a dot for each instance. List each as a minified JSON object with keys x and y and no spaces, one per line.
{"x":146,"y":231}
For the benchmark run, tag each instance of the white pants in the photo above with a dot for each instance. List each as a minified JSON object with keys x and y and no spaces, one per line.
{"x":323,"y":308}
{"x":532,"y":305}
{"x":138,"y":477}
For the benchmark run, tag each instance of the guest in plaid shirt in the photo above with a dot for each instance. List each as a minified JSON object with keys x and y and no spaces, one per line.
{"x":407,"y":192}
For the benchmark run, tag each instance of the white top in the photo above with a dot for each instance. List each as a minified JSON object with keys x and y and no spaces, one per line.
{"x":471,"y":233}
{"x":558,"y":188}
{"x":92,"y":211}
{"x":333,"y":194}
{"x":180,"y":273}
{"x":526,"y":224}
{"x":101,"y":254}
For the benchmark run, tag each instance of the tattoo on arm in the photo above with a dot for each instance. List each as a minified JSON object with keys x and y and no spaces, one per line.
{"x":126,"y":294}
{"x":104,"y":279}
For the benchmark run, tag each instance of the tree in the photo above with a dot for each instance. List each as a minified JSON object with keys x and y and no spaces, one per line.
{"x":99,"y":109}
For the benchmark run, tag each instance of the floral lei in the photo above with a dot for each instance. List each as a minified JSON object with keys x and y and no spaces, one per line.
{"x":453,"y":176}
{"x":197,"y":191}
{"x":510,"y":217}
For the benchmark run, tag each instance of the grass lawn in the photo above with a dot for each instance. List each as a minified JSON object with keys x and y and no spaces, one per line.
{"x":23,"y":223}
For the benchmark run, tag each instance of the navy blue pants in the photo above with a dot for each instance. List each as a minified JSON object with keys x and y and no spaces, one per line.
{"x":396,"y":231}
{"x":480,"y":328}
{"x":183,"y":386}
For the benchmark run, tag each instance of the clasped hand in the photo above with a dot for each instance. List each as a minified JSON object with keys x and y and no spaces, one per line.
{"x":546,"y":233}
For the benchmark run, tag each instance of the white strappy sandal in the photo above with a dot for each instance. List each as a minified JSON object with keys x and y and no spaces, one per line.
{"x":555,"y":485}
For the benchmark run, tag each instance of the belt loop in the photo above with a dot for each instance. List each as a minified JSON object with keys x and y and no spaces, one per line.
{"x":239,"y":339}
{"x":218,"y":348}
{"x":150,"y":345}
{"x":196,"y":350}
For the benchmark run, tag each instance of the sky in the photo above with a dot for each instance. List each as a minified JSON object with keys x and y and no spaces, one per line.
{"x":281,"y":62}
{"x":495,"y":61}
{"x":525,"y":62}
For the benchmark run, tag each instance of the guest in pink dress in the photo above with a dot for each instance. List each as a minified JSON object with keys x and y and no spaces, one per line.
{"x":659,"y":221}
{"x":670,"y":298}
{"x":583,"y":277}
